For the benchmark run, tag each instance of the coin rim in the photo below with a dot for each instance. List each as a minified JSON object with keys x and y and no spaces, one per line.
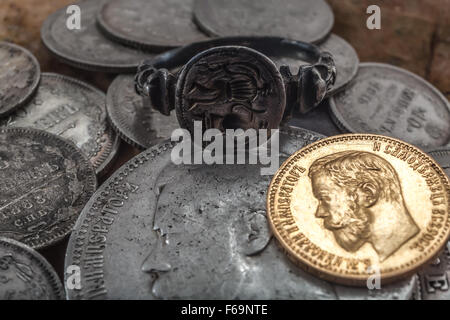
{"x":199,"y":7}
{"x":340,"y":278}
{"x":89,"y":186}
{"x":33,"y":87}
{"x":338,"y":118}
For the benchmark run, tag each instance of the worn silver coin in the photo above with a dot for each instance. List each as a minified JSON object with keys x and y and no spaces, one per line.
{"x":344,"y":55}
{"x":45,"y":183}
{"x":318,"y":120}
{"x":86,"y":47}
{"x":156,"y":230}
{"x":136,"y":122}
{"x":383,"y":99}
{"x":442,"y":157}
{"x":74,"y":110}
{"x":19,"y":77}
{"x":305,"y":20}
{"x":26,"y":275}
{"x":156,"y":25}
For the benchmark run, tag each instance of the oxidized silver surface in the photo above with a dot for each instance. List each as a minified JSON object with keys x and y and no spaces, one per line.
{"x":137,"y":123}
{"x":344,"y":56}
{"x":19,"y":76}
{"x":156,"y":230}
{"x":26,"y":275}
{"x":74,"y":110}
{"x":387,"y":100}
{"x":45,"y":182}
{"x":318,"y":120}
{"x":87,"y":48}
{"x":152,"y":24}
{"x":305,"y":20}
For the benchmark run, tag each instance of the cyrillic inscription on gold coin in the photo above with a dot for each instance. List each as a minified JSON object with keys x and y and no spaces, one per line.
{"x":350,"y":204}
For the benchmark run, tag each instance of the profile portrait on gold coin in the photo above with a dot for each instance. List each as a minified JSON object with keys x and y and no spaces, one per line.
{"x":361,"y":201}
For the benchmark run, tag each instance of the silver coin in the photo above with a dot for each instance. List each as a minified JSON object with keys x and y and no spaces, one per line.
{"x":434,"y":279}
{"x":74,"y":110}
{"x":46,"y":181}
{"x":305,"y":20}
{"x":442,"y":157}
{"x":26,"y":275}
{"x":19,"y":76}
{"x":344,"y":55}
{"x":137,"y":123}
{"x":318,"y":120}
{"x":387,"y":100}
{"x":87,"y":48}
{"x":152,"y":24}
{"x":159,"y":230}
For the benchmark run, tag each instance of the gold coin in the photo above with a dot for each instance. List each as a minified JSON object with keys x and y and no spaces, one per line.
{"x":353,"y":207}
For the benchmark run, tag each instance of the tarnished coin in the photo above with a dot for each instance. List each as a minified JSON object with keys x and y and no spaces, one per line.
{"x":350,"y":206}
{"x":434,"y":279}
{"x":26,"y":275}
{"x":74,"y":110}
{"x":45,"y":182}
{"x":344,"y":55}
{"x":156,"y":25}
{"x":137,"y":123}
{"x":305,"y":20}
{"x":19,"y":76}
{"x":86,"y":47}
{"x":159,"y":230}
{"x":442,"y":157}
{"x":318,"y":120}
{"x":387,"y":100}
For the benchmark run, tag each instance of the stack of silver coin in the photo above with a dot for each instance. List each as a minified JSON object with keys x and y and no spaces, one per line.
{"x":153,"y":229}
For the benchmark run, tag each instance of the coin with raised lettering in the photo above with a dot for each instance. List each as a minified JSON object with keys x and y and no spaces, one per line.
{"x":383,"y":99}
{"x":305,"y":20}
{"x":19,"y":76}
{"x":74,"y":110}
{"x":45,"y":183}
{"x":344,"y":56}
{"x":158,"y":230}
{"x":86,"y":47}
{"x":442,"y":156}
{"x":137,"y":123}
{"x":156,"y":25}
{"x":26,"y":275}
{"x":353,"y":206}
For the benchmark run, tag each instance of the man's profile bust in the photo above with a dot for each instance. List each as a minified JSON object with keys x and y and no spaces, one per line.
{"x":360,"y":200}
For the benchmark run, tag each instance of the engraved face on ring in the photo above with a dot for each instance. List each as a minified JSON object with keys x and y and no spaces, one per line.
{"x":203,"y":241}
{"x":361,"y":200}
{"x":230,"y":88}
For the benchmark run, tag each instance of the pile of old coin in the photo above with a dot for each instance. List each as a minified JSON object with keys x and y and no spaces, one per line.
{"x":340,"y":210}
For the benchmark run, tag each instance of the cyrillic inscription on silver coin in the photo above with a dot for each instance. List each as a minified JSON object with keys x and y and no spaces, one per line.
{"x":306,"y":20}
{"x":74,"y":110}
{"x":46,"y":181}
{"x":87,"y":48}
{"x":156,"y":230}
{"x":153,"y":24}
{"x":19,"y":76}
{"x":387,"y":100}
{"x":26,"y":275}
{"x":137,"y":123}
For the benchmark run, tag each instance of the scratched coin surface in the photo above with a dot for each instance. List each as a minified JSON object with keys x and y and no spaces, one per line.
{"x":86,"y":47}
{"x":156,"y":230}
{"x":74,"y":110}
{"x":152,"y":24}
{"x":383,"y":99}
{"x":344,"y":56}
{"x":26,"y":275}
{"x":138,"y":124}
{"x":352,"y":205}
{"x":305,"y":20}
{"x":46,"y":181}
{"x":19,"y":76}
